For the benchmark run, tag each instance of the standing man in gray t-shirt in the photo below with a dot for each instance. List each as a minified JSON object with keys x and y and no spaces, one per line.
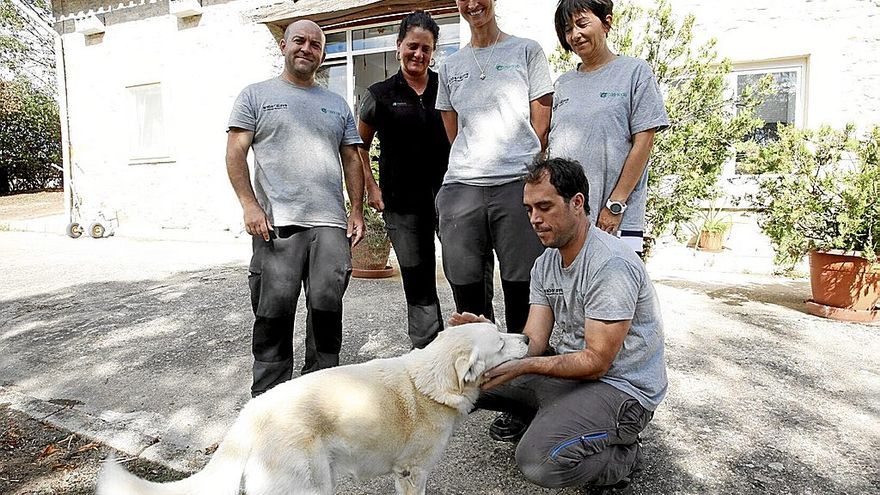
{"x":303,"y":139}
{"x":581,"y":406}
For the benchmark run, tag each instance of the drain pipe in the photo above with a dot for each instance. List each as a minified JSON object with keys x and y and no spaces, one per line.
{"x":66,"y":174}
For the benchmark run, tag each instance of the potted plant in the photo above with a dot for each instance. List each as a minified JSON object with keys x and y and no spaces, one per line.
{"x":369,"y":259}
{"x":824,"y":199}
{"x":710,"y":229}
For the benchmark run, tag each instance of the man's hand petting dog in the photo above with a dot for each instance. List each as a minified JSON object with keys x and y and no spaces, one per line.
{"x":461,"y":318}
{"x":500,"y":374}
{"x":504,"y":372}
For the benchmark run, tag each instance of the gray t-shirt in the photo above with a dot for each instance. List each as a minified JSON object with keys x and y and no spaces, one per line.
{"x":495,"y":138}
{"x":297,"y":135}
{"x":607,"y":281}
{"x":595,"y":115}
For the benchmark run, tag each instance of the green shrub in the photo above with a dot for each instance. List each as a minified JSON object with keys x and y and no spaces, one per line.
{"x":826,"y":196}
{"x":30,"y":138}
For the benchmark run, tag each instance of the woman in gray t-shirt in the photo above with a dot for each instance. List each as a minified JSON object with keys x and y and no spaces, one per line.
{"x":605,"y":115}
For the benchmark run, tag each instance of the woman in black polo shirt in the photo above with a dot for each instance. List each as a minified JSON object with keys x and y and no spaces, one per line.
{"x":413,"y":158}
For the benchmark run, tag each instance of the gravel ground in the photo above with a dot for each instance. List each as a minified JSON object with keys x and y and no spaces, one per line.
{"x":153,"y":336}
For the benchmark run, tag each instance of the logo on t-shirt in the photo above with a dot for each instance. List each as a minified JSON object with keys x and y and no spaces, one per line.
{"x":502,"y":67}
{"x":457,"y":79}
{"x":274,"y":106}
{"x":612,"y":94}
{"x":331,"y":111}
{"x":553,"y":291}
{"x":561,"y":103}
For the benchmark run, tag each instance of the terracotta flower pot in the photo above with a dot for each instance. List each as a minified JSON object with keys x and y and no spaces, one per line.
{"x":371,"y":261}
{"x":712,"y":242}
{"x":844,"y":280}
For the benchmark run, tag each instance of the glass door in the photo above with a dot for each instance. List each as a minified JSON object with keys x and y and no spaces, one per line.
{"x":358,"y":58}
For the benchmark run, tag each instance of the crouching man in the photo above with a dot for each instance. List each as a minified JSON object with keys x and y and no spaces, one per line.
{"x":577,"y":411}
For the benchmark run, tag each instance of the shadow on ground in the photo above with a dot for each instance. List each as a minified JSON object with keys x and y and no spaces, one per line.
{"x":762,"y":397}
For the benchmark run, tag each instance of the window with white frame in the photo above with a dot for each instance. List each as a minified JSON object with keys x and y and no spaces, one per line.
{"x":357,"y":58}
{"x":786,"y":102}
{"x":148,"y":139}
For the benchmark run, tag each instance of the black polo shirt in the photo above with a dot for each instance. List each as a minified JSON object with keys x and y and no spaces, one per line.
{"x":414,"y":149}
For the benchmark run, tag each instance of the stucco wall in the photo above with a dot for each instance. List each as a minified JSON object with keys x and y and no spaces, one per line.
{"x":840,"y":40}
{"x":202,"y":65}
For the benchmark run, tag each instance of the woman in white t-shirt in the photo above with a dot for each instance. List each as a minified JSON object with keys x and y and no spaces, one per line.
{"x":495,"y":96}
{"x":605,"y":115}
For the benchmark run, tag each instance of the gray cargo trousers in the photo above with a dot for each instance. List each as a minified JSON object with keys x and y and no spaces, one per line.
{"x":474,"y":222}
{"x":581,"y":432}
{"x":317,"y":259}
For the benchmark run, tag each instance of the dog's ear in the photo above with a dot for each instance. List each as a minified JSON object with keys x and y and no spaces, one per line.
{"x":468,"y":368}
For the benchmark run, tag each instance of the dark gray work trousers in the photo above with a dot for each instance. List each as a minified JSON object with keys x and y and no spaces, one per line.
{"x":581,"y":432}
{"x":317,"y":259}
{"x":412,"y":235}
{"x":474,"y":221}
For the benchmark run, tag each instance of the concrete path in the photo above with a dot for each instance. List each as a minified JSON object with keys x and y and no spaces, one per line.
{"x":145,"y":346}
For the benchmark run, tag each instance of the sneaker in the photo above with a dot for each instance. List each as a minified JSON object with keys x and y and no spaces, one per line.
{"x":507,"y":428}
{"x":622,"y":487}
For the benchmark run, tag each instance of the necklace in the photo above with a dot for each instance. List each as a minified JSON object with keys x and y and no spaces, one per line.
{"x":488,"y":60}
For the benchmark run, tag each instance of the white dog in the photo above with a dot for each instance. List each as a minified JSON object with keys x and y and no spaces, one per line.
{"x":384,"y":416}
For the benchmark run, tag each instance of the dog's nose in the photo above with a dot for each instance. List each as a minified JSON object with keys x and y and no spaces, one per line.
{"x":525,"y":339}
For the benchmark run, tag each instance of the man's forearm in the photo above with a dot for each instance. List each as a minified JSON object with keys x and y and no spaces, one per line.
{"x":369,"y":180}
{"x":538,"y":341}
{"x":239,"y":177}
{"x":354,"y":179}
{"x":582,"y":365}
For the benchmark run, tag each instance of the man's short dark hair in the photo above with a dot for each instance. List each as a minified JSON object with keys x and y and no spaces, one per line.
{"x":567,"y":176}
{"x":420,"y":19}
{"x":568,"y":8}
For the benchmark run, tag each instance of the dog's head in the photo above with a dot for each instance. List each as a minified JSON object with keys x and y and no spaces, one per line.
{"x":453,"y":364}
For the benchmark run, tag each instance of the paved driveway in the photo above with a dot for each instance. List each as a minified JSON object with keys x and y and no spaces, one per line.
{"x":145,"y":344}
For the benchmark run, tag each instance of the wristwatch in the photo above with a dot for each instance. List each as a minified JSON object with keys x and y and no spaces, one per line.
{"x":615,"y":207}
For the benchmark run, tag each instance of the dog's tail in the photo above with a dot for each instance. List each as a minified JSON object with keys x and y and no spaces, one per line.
{"x":221,"y":476}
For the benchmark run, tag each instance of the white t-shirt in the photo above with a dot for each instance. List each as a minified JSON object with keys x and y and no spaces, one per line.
{"x":495,"y":138}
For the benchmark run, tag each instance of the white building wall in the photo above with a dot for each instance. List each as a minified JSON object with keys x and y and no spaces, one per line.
{"x":201,"y":69}
{"x":525,"y":18}
{"x":203,"y":64}
{"x":840,"y":39}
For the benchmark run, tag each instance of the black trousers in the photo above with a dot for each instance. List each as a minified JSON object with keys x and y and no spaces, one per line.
{"x":412,"y":235}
